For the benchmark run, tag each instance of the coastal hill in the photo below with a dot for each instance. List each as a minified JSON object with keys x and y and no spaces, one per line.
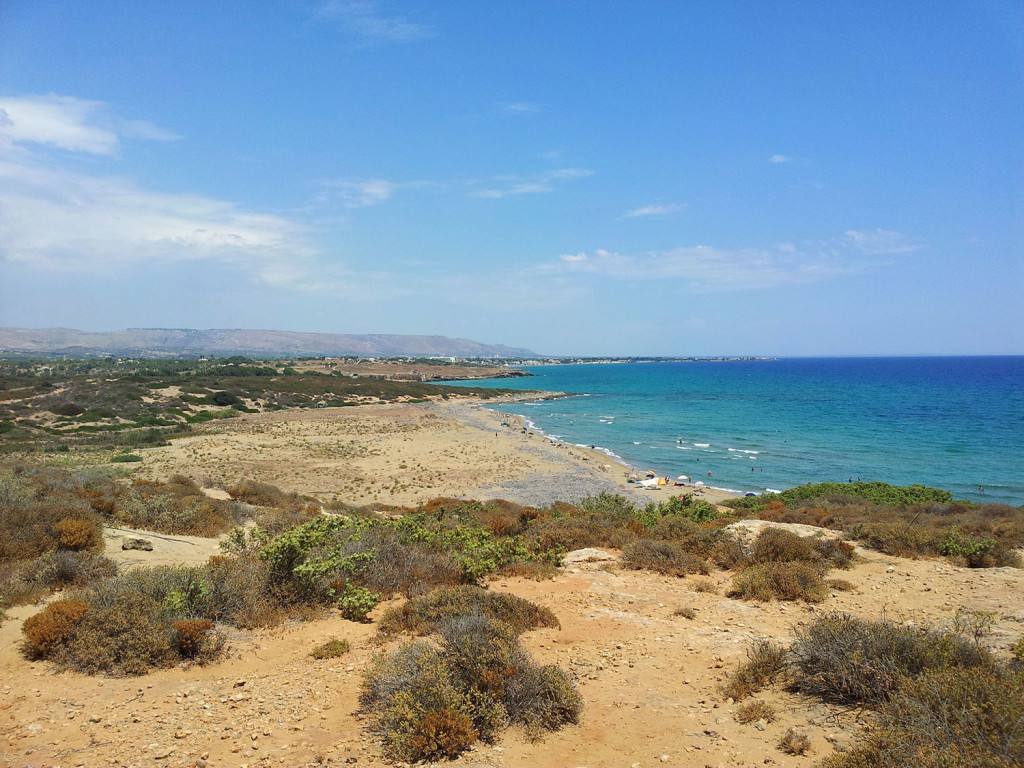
{"x":185,"y":342}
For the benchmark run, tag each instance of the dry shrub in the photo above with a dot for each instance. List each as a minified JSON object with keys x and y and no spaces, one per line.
{"x":441,"y":734}
{"x":430,"y":702}
{"x":780,"y":581}
{"x":29,"y":580}
{"x":777,"y":545}
{"x":794,"y":742}
{"x":30,"y":511}
{"x":665,"y":557}
{"x":123,"y":633}
{"x":505,"y":518}
{"x":424,"y":615}
{"x":78,"y":534}
{"x":835,"y":553}
{"x":704,"y":585}
{"x":536,"y":570}
{"x":331,"y":649}
{"x":402,"y":690}
{"x":754,"y":711}
{"x":178,"y":506}
{"x":263,"y":494}
{"x":960,"y":718}
{"x":686,"y":612}
{"x":408,"y":569}
{"x":189,"y":635}
{"x":240,"y":591}
{"x":275,"y":520}
{"x":898,"y":538}
{"x":840,"y":585}
{"x":728,"y":554}
{"x":51,"y":627}
{"x":766,"y":661}
{"x":853,"y":661}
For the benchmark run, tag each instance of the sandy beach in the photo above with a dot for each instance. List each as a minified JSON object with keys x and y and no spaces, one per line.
{"x":400,"y":453}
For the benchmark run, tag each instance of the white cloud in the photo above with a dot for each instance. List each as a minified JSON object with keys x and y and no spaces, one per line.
{"x":65,"y":122}
{"x":55,"y":219}
{"x":520,"y":107}
{"x":507,"y":186}
{"x":880,"y":242}
{"x":657,"y":209}
{"x":708,"y":268}
{"x":365,"y":20}
{"x":357,"y":193}
{"x":777,"y":159}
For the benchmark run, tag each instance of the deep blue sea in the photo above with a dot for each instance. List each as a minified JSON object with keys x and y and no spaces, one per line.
{"x":951,"y":422}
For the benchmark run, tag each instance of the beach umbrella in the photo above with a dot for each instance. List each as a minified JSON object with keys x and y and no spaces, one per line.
{"x":699,"y":484}
{"x":683,"y":477}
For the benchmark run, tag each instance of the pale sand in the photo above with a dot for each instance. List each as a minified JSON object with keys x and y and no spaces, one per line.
{"x":398,"y":454}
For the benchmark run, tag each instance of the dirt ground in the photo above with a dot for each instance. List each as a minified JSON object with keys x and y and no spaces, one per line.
{"x":649,"y":680}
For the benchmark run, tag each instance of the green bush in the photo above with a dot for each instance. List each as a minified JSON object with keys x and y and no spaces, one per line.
{"x":356,"y":602}
{"x":873,"y":492}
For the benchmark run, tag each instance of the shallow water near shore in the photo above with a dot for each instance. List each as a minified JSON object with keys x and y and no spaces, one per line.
{"x":951,"y":422}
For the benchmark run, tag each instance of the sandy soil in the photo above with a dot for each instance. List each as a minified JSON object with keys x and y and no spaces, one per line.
{"x":649,"y":680}
{"x":394,"y":453}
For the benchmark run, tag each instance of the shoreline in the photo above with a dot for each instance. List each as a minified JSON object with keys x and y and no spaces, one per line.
{"x":598,"y":458}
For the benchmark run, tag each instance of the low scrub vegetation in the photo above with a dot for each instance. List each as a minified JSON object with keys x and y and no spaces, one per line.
{"x":753,"y":711}
{"x":941,"y":700}
{"x":780,"y":581}
{"x":95,"y":403}
{"x":424,"y":615}
{"x":766,"y":661}
{"x":331,"y":649}
{"x":432,"y":700}
{"x":852,"y":661}
{"x":667,"y":557}
{"x":912,"y":521}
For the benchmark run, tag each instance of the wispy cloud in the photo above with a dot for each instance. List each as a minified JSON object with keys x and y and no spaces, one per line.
{"x":520,"y":107}
{"x":880,"y":242}
{"x":655,"y":209}
{"x":507,"y":186}
{"x":366,"y":20}
{"x":779,"y":159}
{"x":56,"y":219}
{"x":72,"y":124}
{"x":357,"y":193}
{"x":708,"y":268}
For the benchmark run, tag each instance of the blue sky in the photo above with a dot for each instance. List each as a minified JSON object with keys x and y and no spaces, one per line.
{"x":601,"y":178}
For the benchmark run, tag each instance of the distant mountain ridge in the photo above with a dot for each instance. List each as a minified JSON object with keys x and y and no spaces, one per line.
{"x":187,"y":342}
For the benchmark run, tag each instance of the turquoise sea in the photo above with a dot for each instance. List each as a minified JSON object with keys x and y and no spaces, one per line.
{"x":951,"y":422}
